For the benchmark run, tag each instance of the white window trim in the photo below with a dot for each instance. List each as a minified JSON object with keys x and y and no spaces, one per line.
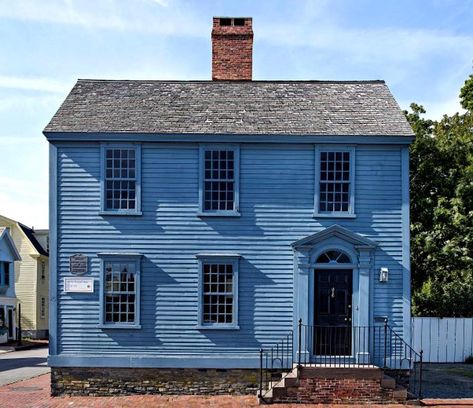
{"x":351,"y":207}
{"x":232,"y":259}
{"x":236,"y":194}
{"x":103,"y":148}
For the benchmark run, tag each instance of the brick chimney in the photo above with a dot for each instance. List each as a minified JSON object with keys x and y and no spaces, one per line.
{"x":232,"y":49}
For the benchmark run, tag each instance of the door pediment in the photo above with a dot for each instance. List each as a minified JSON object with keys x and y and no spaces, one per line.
{"x":335,"y":231}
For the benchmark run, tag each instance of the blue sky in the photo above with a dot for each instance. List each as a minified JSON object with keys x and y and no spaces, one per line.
{"x":422,"y":48}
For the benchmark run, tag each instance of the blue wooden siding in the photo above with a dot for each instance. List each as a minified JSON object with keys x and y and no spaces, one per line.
{"x":276,"y":205}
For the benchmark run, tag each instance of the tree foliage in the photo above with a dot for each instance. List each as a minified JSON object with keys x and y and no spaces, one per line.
{"x":441,"y":179}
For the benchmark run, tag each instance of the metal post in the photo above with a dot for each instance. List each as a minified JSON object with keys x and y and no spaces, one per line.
{"x":299,"y":365}
{"x":385,"y":340}
{"x":420,"y":373}
{"x":261,"y":373}
{"x":19,"y":325}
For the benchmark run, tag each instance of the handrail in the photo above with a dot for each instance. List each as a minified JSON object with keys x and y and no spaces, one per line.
{"x":274,"y":361}
{"x":407,"y":354}
{"x":343,"y":346}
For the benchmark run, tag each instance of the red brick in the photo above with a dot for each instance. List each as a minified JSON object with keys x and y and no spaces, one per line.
{"x":232,"y":51}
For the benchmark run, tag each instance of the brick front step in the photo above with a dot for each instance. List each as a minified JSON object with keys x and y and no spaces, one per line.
{"x":322,"y":385}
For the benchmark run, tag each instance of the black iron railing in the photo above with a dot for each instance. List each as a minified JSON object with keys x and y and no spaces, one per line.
{"x":344,"y":347}
{"x":403,"y":362}
{"x":275,"y":362}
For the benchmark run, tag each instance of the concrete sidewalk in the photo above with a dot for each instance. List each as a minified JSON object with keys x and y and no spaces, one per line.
{"x":20,"y":365}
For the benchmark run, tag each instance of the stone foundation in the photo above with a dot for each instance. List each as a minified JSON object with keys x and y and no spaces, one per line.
{"x":127,"y":381}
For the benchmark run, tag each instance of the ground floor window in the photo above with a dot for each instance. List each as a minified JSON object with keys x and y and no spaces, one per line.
{"x":120,"y":292}
{"x":218,"y":291}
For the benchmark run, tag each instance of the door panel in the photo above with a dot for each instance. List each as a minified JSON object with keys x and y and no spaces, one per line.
{"x":333,"y":312}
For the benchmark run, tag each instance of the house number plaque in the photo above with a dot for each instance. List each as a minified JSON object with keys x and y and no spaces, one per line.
{"x":78,"y":264}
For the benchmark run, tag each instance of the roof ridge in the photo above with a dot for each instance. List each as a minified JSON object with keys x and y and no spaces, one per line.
{"x":265,"y":81}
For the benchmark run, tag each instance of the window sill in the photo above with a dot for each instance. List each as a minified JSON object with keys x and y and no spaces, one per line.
{"x":217,"y":327}
{"x":333,"y":215}
{"x":219,"y":214}
{"x":119,"y":326}
{"x":121,"y":213}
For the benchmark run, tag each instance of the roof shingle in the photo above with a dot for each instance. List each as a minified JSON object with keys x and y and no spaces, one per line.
{"x":227,"y":107}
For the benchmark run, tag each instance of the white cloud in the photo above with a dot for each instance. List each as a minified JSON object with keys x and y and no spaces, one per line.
{"x":370,"y":45}
{"x":34,"y":84}
{"x":149,"y":16}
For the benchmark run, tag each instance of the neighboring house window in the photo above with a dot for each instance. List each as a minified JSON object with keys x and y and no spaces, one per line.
{"x":218,"y":291}
{"x":219,"y":180}
{"x":121,"y":190}
{"x":120,"y":295}
{"x":335,"y":186}
{"x":43,"y":270}
{"x":4,"y":273}
{"x":43,"y":308}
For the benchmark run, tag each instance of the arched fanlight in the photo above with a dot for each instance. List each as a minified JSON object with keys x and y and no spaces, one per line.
{"x":333,"y":257}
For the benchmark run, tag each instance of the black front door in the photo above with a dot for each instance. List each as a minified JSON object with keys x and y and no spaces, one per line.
{"x":332,"y":312}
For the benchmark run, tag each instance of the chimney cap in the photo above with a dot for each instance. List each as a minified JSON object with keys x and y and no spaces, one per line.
{"x":227,"y":21}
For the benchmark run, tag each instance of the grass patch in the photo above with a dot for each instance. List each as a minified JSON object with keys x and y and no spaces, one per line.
{"x":461,"y":371}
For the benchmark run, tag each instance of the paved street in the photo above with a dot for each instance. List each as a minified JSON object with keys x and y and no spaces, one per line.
{"x":20,"y":365}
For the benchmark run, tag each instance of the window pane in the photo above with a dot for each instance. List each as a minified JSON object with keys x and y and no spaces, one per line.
{"x":120,"y":179}
{"x":219,"y":184}
{"x":120,"y":292}
{"x":334,"y":181}
{"x":218,"y":293}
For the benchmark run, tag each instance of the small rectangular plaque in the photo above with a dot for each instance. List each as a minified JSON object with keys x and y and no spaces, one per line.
{"x":78,"y":264}
{"x":79,"y":285}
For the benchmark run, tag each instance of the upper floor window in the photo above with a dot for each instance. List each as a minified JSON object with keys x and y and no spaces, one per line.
{"x":4,"y":273}
{"x":219,"y":291}
{"x":335,"y":186}
{"x":120,"y":292}
{"x":43,"y":270}
{"x":219,"y":188}
{"x":121,"y":181}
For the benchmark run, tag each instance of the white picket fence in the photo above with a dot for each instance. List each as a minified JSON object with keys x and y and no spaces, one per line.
{"x":443,"y":340}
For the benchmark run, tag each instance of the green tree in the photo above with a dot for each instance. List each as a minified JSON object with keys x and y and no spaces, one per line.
{"x":442,"y":210}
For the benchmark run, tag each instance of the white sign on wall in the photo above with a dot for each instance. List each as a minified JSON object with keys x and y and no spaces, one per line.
{"x":79,"y":285}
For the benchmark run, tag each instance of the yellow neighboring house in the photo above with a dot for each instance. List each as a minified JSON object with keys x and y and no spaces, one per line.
{"x":31,"y":277}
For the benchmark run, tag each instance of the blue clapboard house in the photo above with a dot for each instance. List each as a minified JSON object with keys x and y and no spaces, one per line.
{"x":194,"y":223}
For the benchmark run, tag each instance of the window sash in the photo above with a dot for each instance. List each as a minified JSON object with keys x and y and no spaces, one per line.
{"x":334,"y":181}
{"x":118,"y":302}
{"x":121,"y":178}
{"x":219,"y":180}
{"x":218,"y":287}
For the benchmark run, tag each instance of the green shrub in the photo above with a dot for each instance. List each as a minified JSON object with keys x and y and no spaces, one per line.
{"x":469,"y":360}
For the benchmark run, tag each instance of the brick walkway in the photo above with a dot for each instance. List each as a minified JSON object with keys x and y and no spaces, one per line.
{"x":34,"y":393}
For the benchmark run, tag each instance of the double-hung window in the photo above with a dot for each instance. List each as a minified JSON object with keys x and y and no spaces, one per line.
{"x":334,"y":190}
{"x":120,"y":291}
{"x":219,"y":180}
{"x":4,"y":274}
{"x":121,"y":179}
{"x":218,"y":303}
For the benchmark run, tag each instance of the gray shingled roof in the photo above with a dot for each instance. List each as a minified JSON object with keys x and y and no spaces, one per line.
{"x":217,"y":107}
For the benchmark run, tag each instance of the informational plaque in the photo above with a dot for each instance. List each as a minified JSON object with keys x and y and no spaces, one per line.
{"x":79,"y":285}
{"x":78,"y":264}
